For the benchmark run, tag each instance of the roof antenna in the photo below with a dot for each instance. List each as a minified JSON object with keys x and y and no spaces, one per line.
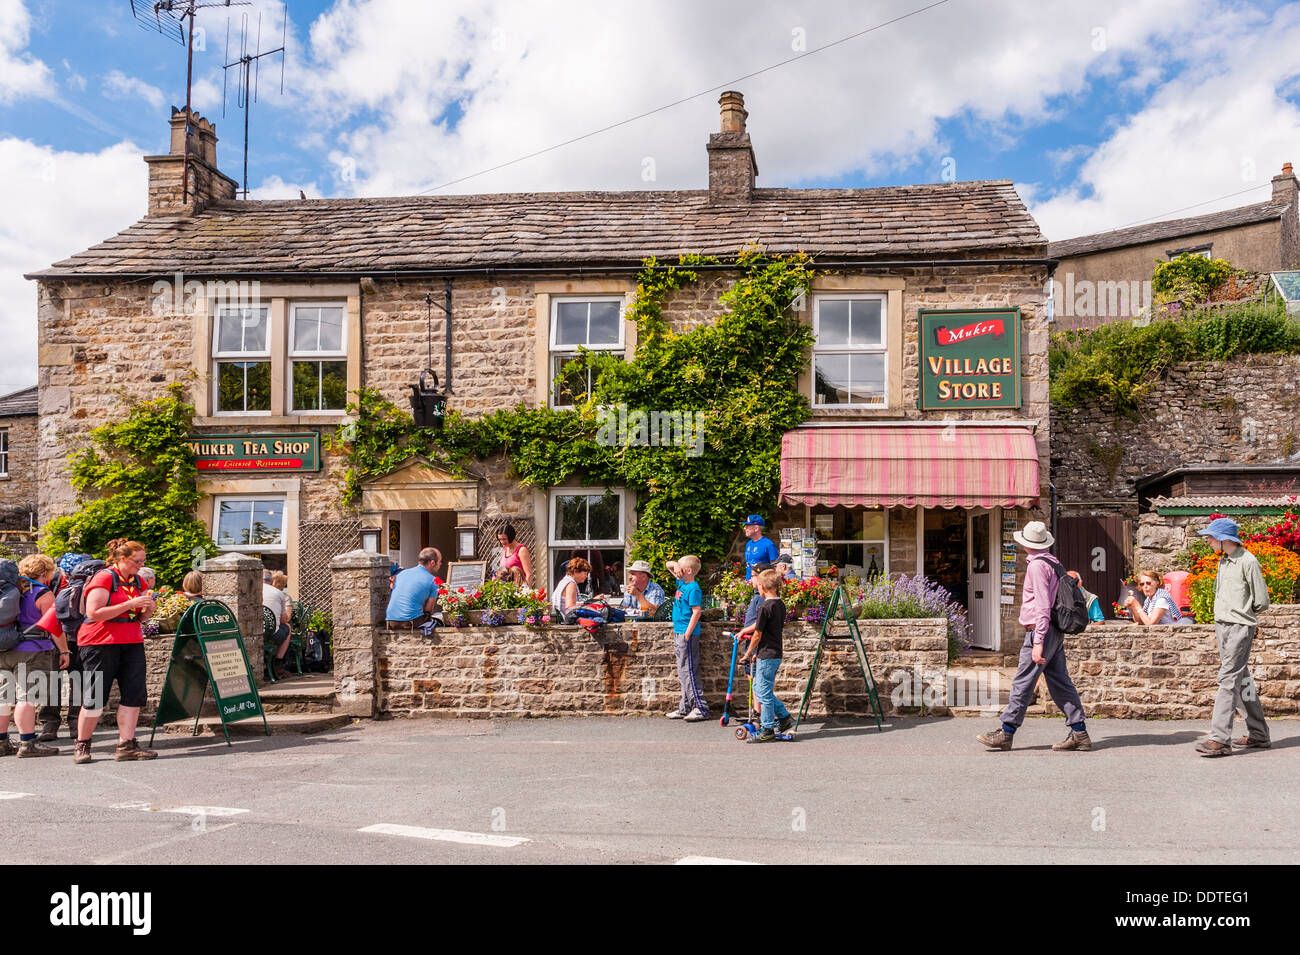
{"x":249,"y":66}
{"x":168,"y":18}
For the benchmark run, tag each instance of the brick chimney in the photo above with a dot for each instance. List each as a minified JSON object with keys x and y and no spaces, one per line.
{"x":1286,"y":189}
{"x":732,"y":166}
{"x":206,"y":183}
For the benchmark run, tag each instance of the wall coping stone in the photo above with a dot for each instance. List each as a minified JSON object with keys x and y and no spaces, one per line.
{"x":231,"y":562}
{"x":360,"y":560}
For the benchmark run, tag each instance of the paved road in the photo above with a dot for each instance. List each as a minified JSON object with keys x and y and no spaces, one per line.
{"x":653,"y":791}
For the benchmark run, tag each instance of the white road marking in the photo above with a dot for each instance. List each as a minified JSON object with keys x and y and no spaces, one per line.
{"x":166,"y":842}
{"x":141,"y":806}
{"x":711,"y":860}
{"x":183,"y":810}
{"x":6,"y":795}
{"x":446,"y":835}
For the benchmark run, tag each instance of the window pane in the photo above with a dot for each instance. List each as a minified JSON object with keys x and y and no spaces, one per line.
{"x":602,"y":517}
{"x":572,"y":385}
{"x":866,"y":322}
{"x":848,"y":558}
{"x":873,"y":525}
{"x":233,"y":519}
{"x":268,"y":522}
{"x":833,"y":322}
{"x":320,"y":385}
{"x":837,"y":523}
{"x":571,"y":517}
{"x":832,"y":379}
{"x":244,"y":386}
{"x":867,"y":374}
{"x":306,"y":329}
{"x":606,"y":569}
{"x":571,"y":323}
{"x":242,"y":329}
{"x":604,"y":323}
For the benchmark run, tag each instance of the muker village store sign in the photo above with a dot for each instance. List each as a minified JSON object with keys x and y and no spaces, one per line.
{"x":256,"y":453}
{"x":970,"y":359}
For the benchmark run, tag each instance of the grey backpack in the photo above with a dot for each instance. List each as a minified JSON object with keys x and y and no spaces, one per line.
{"x":11,"y":599}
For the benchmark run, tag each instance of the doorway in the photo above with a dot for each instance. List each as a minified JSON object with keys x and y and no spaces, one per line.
{"x":958,"y":548}
{"x":406,"y":533}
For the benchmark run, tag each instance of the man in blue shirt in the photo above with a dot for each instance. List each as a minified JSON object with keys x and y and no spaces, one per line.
{"x":758,"y":550}
{"x":642,"y":595}
{"x":415,"y":592}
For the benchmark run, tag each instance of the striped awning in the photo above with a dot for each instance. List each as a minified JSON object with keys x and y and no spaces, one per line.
{"x":954,"y":466}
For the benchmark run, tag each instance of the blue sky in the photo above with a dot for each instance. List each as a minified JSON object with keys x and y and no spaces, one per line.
{"x":1103,"y":113}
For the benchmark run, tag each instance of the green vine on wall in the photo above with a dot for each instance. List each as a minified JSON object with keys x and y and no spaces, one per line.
{"x":736,"y":376}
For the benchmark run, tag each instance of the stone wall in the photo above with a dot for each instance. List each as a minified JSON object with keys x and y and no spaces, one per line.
{"x":1161,"y":537}
{"x":360,"y":585}
{"x":630,"y":670}
{"x":1128,"y":671}
{"x":18,"y":495}
{"x":1241,"y":411}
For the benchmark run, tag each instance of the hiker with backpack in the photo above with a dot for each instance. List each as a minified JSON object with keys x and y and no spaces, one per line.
{"x":69,"y":614}
{"x":1051,"y":605}
{"x":111,"y":643}
{"x":22,"y":654}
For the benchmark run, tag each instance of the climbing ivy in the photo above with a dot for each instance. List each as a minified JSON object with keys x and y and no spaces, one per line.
{"x":137,"y":479}
{"x":725,"y":391}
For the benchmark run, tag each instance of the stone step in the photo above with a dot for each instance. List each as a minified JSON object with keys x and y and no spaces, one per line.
{"x":280,"y":724}
{"x":307,"y":694}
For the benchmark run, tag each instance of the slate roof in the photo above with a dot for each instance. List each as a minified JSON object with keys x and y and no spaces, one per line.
{"x":374,"y":235}
{"x":18,"y":403}
{"x":1226,"y":500}
{"x":1168,"y":229}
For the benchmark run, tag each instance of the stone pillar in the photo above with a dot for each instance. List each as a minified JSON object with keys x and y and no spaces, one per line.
{"x":359,"y":582}
{"x":236,"y":581}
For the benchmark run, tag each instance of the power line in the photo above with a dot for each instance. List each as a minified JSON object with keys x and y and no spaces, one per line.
{"x":685,"y":99}
{"x":1194,"y":205}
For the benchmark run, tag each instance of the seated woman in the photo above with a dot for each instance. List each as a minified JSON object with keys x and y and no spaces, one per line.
{"x":1158,"y":607}
{"x":565,"y":598}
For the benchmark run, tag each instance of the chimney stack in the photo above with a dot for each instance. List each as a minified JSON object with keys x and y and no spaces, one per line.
{"x":1285,"y":185}
{"x":1287,"y":189}
{"x":207,"y":184}
{"x":732,"y":167}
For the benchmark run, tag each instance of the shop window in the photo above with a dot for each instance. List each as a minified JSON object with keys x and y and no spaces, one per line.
{"x":588,"y":523}
{"x":849,"y":351}
{"x":595,"y":324}
{"x":241,"y":353}
{"x":4,"y":452}
{"x":249,"y":524}
{"x":318,"y":359}
{"x":853,"y":540}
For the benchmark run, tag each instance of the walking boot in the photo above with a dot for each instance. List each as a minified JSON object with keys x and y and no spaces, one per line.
{"x":129,"y":749}
{"x":7,"y":747}
{"x":32,"y":748}
{"x":81,"y":751}
{"x":1212,"y":747}
{"x":998,"y":739}
{"x":1075,"y":740}
{"x":49,"y":732}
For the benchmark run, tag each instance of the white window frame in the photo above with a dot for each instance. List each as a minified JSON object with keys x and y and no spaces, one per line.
{"x":602,"y":544}
{"x":863,"y":542}
{"x":230,"y":357}
{"x":280,"y":548}
{"x":554,"y":349}
{"x":4,"y":452}
{"x":295,"y":355}
{"x":882,"y":349}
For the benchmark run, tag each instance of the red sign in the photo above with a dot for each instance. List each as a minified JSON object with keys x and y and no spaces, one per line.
{"x":277,"y":464}
{"x":991,"y":327}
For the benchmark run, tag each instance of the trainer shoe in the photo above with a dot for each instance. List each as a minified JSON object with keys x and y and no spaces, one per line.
{"x":129,"y":749}
{"x":1075,"y":740}
{"x":765,"y":735}
{"x":33,"y":748}
{"x":785,"y":724}
{"x":998,"y":739}
{"x":695,"y":716}
{"x":676,"y":715}
{"x":7,"y":747}
{"x":1212,"y":747}
{"x":1246,"y":742}
{"x":81,"y":751}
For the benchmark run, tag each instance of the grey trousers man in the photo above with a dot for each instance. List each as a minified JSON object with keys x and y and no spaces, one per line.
{"x":1053,"y":670}
{"x":1236,"y":686}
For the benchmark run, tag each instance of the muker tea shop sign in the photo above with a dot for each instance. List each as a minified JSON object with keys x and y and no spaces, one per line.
{"x":970,"y":359}
{"x":256,"y":453}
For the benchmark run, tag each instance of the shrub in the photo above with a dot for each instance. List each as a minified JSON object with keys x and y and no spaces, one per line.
{"x":1281,"y":571}
{"x":903,"y":597}
{"x":1189,"y":277}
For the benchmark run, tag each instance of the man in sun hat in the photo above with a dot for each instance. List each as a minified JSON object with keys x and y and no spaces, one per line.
{"x":1043,"y":652}
{"x":641,"y":595}
{"x":758,"y":550}
{"x":1239,"y":594}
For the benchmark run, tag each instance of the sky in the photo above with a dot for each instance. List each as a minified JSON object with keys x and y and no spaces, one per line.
{"x":1104,"y":113}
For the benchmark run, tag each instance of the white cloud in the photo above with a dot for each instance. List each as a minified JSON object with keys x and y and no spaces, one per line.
{"x":117,"y":85}
{"x":56,"y":203}
{"x":277,"y":188}
{"x":21,"y":74}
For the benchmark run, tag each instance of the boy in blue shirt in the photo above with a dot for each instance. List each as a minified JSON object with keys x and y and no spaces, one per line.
{"x":688,"y":604}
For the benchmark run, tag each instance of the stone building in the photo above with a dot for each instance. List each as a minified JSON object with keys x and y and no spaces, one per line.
{"x":928,"y":382}
{"x":1101,"y":277}
{"x":18,"y":460}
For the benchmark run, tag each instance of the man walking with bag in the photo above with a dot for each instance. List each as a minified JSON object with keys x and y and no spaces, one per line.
{"x":1240,"y":592}
{"x":1043,"y":652}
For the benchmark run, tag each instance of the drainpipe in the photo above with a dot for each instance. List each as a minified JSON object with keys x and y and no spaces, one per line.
{"x":1052,"y":488}
{"x":446,"y":387}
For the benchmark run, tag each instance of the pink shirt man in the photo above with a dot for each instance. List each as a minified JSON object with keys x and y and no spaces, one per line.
{"x":1038,"y":595}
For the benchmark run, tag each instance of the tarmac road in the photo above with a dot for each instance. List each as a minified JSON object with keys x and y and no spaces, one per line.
{"x":642,"y":790}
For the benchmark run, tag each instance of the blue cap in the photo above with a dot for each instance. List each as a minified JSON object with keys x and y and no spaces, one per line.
{"x":756,"y":519}
{"x":1223,"y":529}
{"x":69,"y":561}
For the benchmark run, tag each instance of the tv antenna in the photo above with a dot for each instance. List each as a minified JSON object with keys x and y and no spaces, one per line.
{"x":249,"y":66}
{"x":168,"y":18}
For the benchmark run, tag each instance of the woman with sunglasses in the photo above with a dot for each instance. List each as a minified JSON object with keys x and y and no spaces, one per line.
{"x":1158,"y":607}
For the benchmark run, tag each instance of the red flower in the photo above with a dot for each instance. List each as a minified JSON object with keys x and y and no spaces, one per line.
{"x":460,"y":590}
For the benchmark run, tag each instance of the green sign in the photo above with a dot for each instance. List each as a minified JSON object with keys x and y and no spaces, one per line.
{"x":256,"y":453}
{"x":209,"y":651}
{"x":970,"y":358}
